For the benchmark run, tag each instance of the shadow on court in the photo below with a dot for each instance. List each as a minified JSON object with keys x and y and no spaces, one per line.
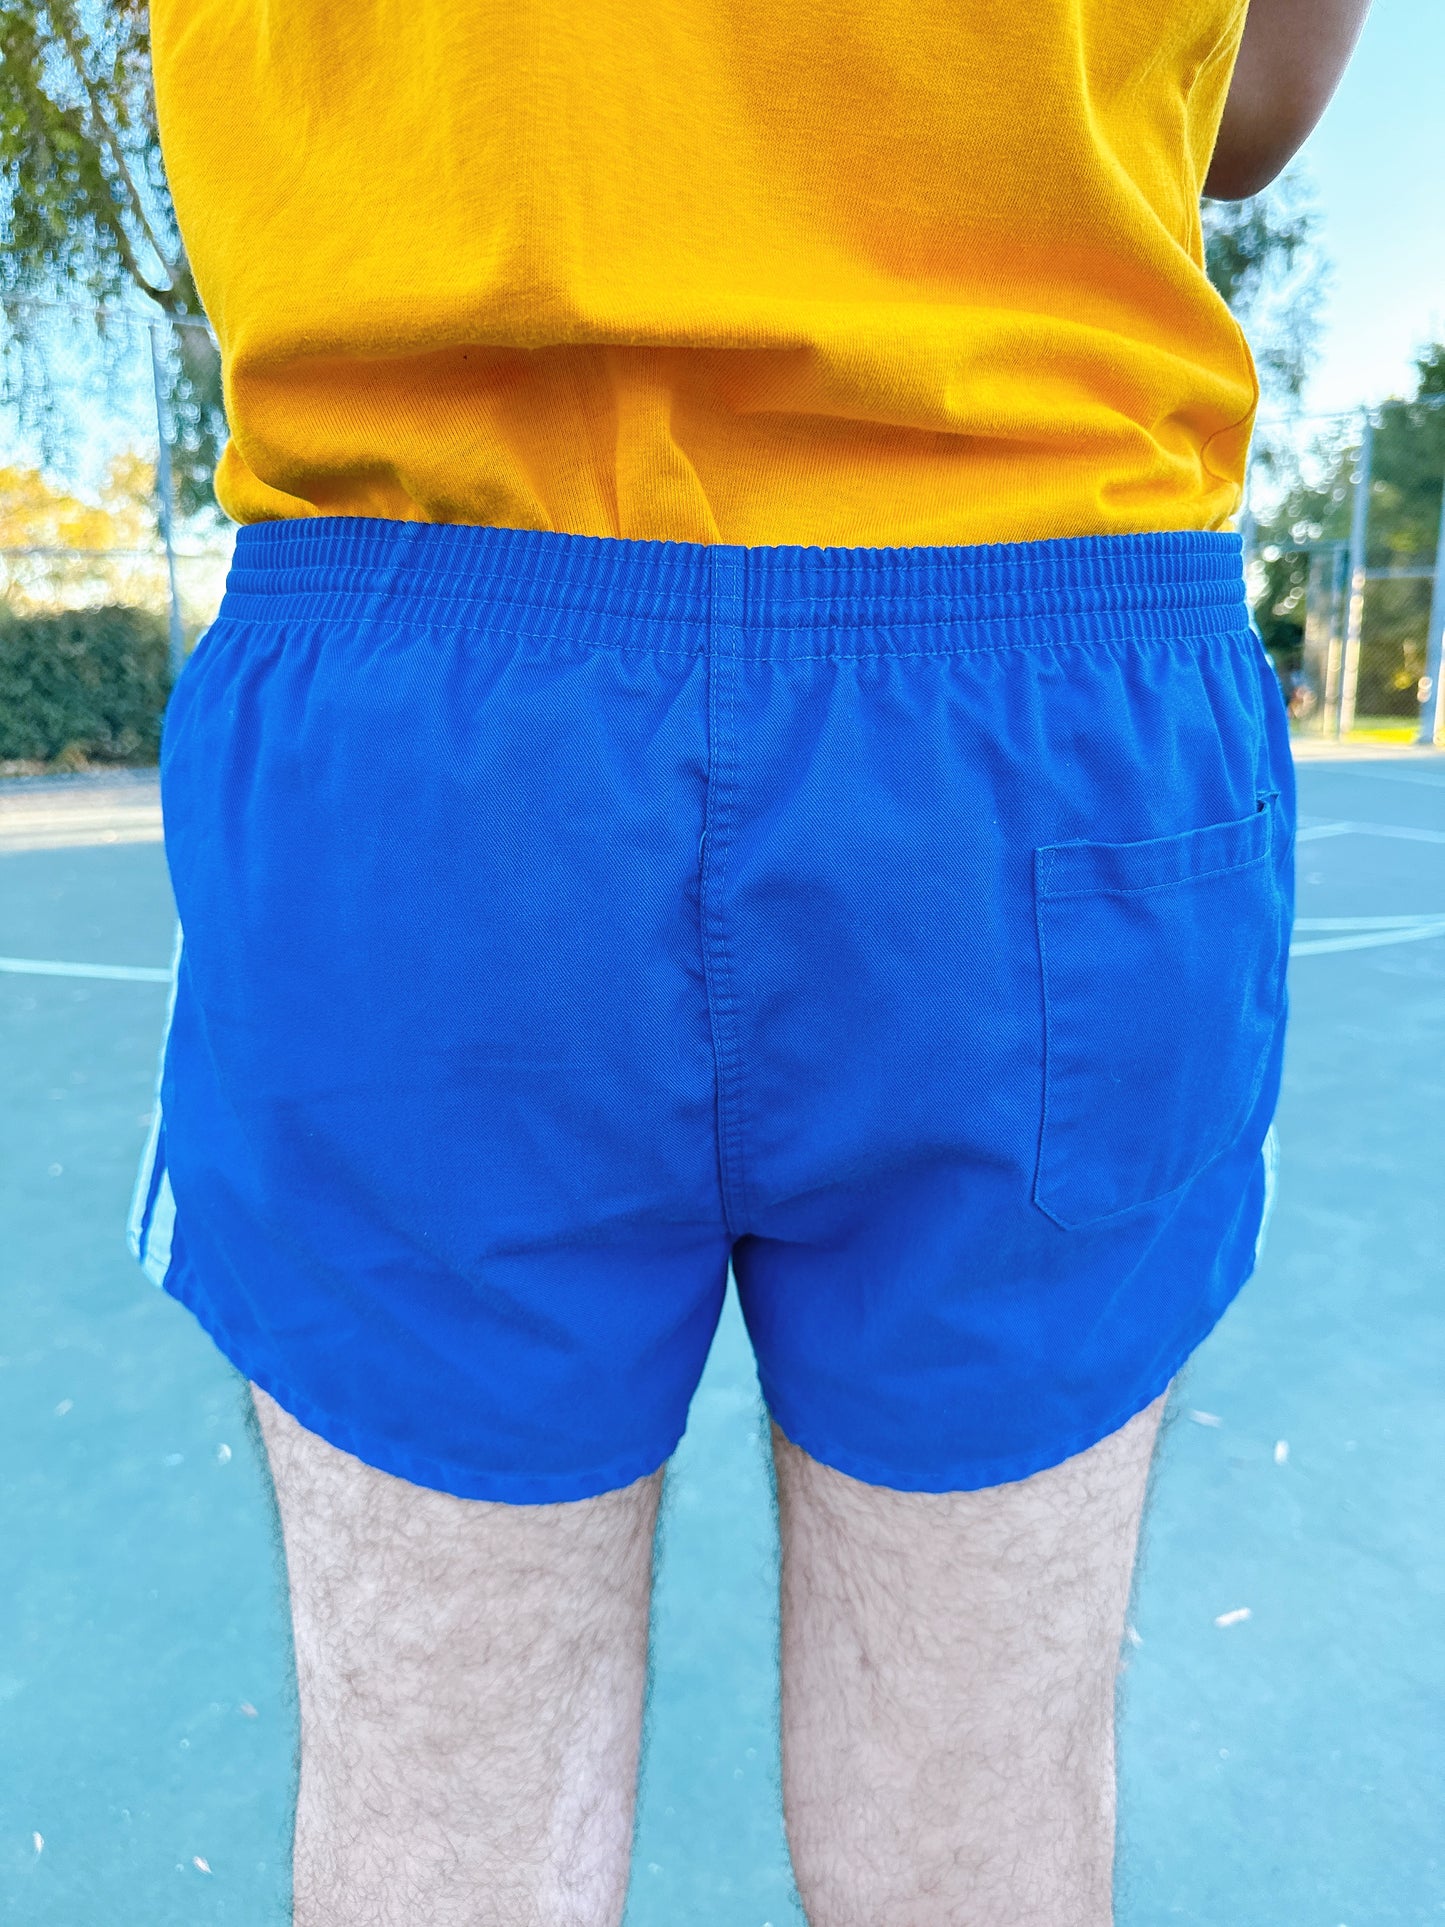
{"x":1282,"y":1756}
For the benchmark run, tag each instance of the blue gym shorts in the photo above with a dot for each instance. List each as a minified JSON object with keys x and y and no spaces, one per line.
{"x":565,"y":918}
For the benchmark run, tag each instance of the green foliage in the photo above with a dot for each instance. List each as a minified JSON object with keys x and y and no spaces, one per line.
{"x":85,"y":683}
{"x":1408,"y":468}
{"x":1309,"y":514}
{"x":1407,"y":475}
{"x":198,"y":415}
{"x":1263,"y":256}
{"x":85,"y":212}
{"x":77,"y":140}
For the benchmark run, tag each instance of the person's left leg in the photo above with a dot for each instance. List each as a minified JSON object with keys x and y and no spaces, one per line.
{"x":949,"y":1663}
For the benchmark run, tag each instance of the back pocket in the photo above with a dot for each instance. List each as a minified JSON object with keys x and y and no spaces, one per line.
{"x":1163,"y":990}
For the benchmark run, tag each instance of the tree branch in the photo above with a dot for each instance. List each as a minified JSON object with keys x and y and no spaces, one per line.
{"x":105,"y":215}
{"x":66,"y":29}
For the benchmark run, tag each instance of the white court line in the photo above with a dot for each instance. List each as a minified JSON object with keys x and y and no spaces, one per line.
{"x":1367,"y":933}
{"x":1358,"y":933}
{"x":1425,"y":779}
{"x":1431,"y":917}
{"x":120,"y":973}
{"x":1370,"y":939}
{"x":1399,"y":830}
{"x":1317,"y":831}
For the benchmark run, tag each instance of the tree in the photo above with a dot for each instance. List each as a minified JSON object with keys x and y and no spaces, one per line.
{"x":85,"y":212}
{"x":1407,"y":476}
{"x":1263,"y":256}
{"x":59,"y":549}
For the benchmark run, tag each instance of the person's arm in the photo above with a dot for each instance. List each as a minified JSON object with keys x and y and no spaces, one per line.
{"x":1290,"y":62}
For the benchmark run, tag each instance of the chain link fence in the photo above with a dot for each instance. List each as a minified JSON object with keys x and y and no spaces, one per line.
{"x":88,"y":510}
{"x":1370,"y":609}
{"x":90,"y":518}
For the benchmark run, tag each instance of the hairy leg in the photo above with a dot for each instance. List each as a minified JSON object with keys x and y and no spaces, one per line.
{"x":471,"y":1679}
{"x":949,"y":1667}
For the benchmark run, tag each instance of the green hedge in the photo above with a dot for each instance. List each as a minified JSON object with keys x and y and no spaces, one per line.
{"x":83,"y":684}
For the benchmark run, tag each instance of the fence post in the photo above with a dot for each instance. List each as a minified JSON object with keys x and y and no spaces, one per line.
{"x":1319,"y":635}
{"x":165,"y":504}
{"x":1432,"y":702}
{"x":1334,"y":641}
{"x":1359,"y":526}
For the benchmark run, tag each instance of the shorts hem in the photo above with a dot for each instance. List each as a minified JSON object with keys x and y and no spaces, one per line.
{"x":440,"y":1475}
{"x":976,"y":1475}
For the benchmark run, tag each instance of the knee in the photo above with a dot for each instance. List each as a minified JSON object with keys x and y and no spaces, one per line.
{"x":853,"y":1874}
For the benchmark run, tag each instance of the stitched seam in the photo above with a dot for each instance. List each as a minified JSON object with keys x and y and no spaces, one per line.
{"x":1020,"y":1464}
{"x":1149,"y":601}
{"x":1042,"y":1188}
{"x":987,"y":555}
{"x":1232,"y":428}
{"x":1041,"y":897}
{"x":716,"y":962}
{"x":1153,"y":889}
{"x":735,"y":1067}
{"x":1217,"y":546}
{"x":730,"y":1119}
{"x":363,"y":1444}
{"x":1170,"y":640}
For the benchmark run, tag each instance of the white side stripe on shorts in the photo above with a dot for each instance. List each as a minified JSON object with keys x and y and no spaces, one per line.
{"x":151,"y":1224}
{"x":1271,"y":1166}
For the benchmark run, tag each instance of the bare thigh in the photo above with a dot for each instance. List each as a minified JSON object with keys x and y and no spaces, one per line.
{"x":471,"y":1679}
{"x":949,"y":1667}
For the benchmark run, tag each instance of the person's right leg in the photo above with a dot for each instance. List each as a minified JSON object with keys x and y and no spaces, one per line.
{"x":471,"y":1680}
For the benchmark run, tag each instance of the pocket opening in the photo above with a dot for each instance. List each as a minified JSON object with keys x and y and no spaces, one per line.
{"x":1162,"y":969}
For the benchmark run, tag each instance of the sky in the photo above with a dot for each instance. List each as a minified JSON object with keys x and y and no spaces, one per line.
{"x":1377,"y":161}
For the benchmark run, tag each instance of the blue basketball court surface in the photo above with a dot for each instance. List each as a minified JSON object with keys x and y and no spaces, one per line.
{"x":1282,"y":1733}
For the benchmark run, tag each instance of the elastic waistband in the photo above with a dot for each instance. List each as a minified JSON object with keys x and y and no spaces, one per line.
{"x":698,"y":597}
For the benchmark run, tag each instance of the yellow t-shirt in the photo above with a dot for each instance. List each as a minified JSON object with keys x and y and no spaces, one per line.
{"x":816,"y":271}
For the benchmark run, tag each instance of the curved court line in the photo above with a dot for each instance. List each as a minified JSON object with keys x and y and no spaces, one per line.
{"x":1412,"y":921}
{"x":1399,"y":830}
{"x":1371,"y":939}
{"x":1404,"y":832}
{"x":120,"y":973}
{"x":1424,"y":778}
